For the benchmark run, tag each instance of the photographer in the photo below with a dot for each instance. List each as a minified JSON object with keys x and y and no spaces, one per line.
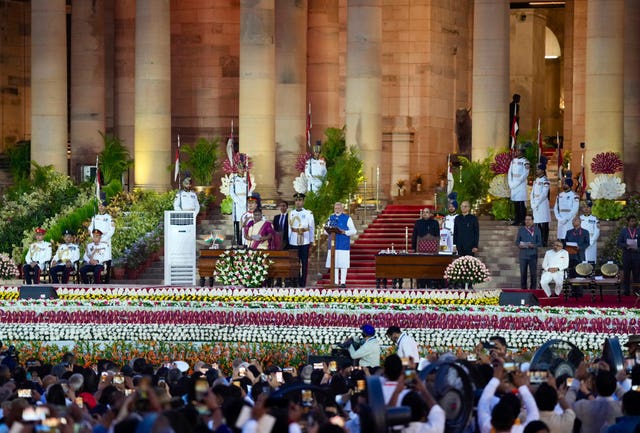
{"x":366,"y":351}
{"x":426,"y":415}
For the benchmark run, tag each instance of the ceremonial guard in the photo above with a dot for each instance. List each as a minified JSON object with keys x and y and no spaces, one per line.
{"x":566,"y":207}
{"x":96,"y":255}
{"x":38,"y":254}
{"x":517,"y":179}
{"x":343,"y":222}
{"x":239,"y":190}
{"x":315,"y":169}
{"x":452,"y":207}
{"x":301,"y":232}
{"x":553,"y":266}
{"x":540,"y":201}
{"x":590,"y":223}
{"x":104,"y":223}
{"x":186,"y":200}
{"x":66,"y":255}
{"x":446,"y":238}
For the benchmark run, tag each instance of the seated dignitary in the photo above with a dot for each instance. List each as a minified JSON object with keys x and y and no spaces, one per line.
{"x":63,"y":261}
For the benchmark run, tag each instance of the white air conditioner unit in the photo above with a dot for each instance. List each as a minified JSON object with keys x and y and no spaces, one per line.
{"x":179,"y":248}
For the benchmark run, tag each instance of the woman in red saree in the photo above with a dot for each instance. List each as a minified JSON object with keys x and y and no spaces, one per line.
{"x":259,"y":233}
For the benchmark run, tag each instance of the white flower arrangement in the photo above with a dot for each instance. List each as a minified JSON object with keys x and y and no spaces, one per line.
{"x":8,"y":268}
{"x":247,"y":268}
{"x":300,"y":183}
{"x":607,"y":186}
{"x":499,"y":186}
{"x":467,"y":269}
{"x":225,"y":182}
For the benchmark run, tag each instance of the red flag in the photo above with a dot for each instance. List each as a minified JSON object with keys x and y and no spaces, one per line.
{"x":309,"y":129}
{"x":176,"y":171}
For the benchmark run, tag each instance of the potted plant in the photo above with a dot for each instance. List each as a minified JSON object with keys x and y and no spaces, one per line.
{"x":203,"y":159}
{"x":114,"y":160}
{"x":418,"y":182}
{"x":400,"y":185}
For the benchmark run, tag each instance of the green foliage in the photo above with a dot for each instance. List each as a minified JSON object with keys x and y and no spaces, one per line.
{"x":473,"y":183}
{"x":501,"y":209}
{"x":203,"y":159}
{"x":114,"y":160}
{"x":344,"y":169}
{"x":20,"y":163}
{"x":226,"y":205}
{"x":607,"y":209}
{"x":611,"y":252}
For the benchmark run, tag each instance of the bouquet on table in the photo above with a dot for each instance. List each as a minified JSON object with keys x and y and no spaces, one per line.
{"x":248,"y":268}
{"x":467,"y":270}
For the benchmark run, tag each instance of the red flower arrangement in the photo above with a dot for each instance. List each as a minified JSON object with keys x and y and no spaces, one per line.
{"x":241,"y":161}
{"x":501,"y":164}
{"x":301,"y":162}
{"x":606,"y":163}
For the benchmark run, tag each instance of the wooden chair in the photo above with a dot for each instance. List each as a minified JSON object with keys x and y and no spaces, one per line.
{"x":105,"y":275}
{"x":44,"y":273}
{"x":610,"y":279}
{"x":584,"y":273}
{"x":74,"y":275}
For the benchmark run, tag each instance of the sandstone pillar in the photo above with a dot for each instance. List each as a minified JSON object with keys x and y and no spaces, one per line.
{"x":87,"y":81}
{"x":363,"y":101}
{"x":124,"y":72}
{"x":323,"y":74}
{"x":604,"y":79}
{"x":632,"y":95}
{"x":290,"y":102}
{"x":152,"y":95}
{"x":491,"y":96}
{"x":257,"y":91}
{"x":49,"y":83}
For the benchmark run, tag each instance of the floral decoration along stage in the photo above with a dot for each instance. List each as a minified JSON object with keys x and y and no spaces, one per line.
{"x":248,"y":268}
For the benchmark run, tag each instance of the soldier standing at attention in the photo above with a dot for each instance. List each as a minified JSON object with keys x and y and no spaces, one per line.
{"x":540,"y":201}
{"x":566,"y":207}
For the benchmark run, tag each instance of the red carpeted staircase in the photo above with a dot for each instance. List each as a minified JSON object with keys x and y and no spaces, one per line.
{"x":386,"y":231}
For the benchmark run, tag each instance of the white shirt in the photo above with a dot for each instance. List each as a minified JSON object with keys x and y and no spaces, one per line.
{"x":556,"y":259}
{"x":301,"y":219}
{"x":67,"y":252}
{"x":434,"y":424}
{"x":449,"y":220}
{"x":517,"y":178}
{"x":407,"y":347}
{"x":100,"y":252}
{"x":484,"y":407}
{"x":540,"y":200}
{"x":187,"y":201}
{"x":368,"y":354}
{"x":238,"y":192}
{"x":592,"y":225}
{"x":565,"y":209}
{"x":39,"y":252}
{"x":104,"y":223}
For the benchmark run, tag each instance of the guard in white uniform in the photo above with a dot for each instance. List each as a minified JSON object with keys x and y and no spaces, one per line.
{"x":452,"y":207}
{"x":96,"y":256}
{"x":301,"y":235}
{"x":315,"y":169}
{"x":517,"y":179}
{"x":554,"y":264}
{"x":540,"y":201}
{"x":238,"y":190}
{"x":38,"y":254}
{"x":186,"y":200}
{"x":103,"y":222}
{"x":566,"y":207}
{"x":67,"y":254}
{"x":591,"y":223}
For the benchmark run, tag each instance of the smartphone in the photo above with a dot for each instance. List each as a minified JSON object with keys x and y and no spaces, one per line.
{"x":118,"y":379}
{"x":287,"y":369}
{"x":37,"y":413}
{"x":509,"y":366}
{"x":162,"y":381}
{"x":79,"y":402}
{"x":405,"y":361}
{"x":128,"y":392}
{"x":306,"y":397}
{"x":241,"y":371}
{"x":361,"y":385}
{"x":103,"y":376}
{"x":472,"y":357}
{"x":201,"y":388}
{"x":409,"y":375}
{"x":279,"y":377}
{"x":333,"y":366}
{"x":237,"y":383}
{"x":569,"y":381}
{"x":318,"y":366}
{"x":24,"y":393}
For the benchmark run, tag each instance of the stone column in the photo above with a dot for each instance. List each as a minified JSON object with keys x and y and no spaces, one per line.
{"x":257,"y":91}
{"x":323,"y":73}
{"x":152,"y":95}
{"x":87,"y":82}
{"x":49,"y":83}
{"x":491,"y":96}
{"x":124,"y":71}
{"x":632,"y":95}
{"x":604,"y":78}
{"x":363,"y":101}
{"x":291,"y":72}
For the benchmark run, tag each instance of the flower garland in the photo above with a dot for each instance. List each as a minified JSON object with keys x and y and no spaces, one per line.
{"x":247,"y":268}
{"x":467,"y":269}
{"x":501,"y":163}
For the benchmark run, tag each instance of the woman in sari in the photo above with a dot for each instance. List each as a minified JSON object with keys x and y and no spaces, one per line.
{"x":259,"y":232}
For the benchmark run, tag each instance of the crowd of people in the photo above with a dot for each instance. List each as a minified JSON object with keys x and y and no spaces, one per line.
{"x":332,"y":396}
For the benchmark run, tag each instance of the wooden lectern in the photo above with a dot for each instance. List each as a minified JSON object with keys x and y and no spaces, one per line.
{"x":331,"y":231}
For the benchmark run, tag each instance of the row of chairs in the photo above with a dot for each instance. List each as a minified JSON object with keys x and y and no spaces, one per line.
{"x":585,"y":276}
{"x":74,"y":275}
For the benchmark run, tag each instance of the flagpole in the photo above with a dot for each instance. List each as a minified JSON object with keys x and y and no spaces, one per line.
{"x":178,"y":172}
{"x":539,"y":142}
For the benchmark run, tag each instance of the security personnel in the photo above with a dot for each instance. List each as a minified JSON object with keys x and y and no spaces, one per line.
{"x":67,"y":254}
{"x":452,"y":207}
{"x":301,"y":231}
{"x":238,"y":190}
{"x":539,"y":199}
{"x":566,"y":207}
{"x":38,"y":255}
{"x":97,"y":254}
{"x":517,"y":179}
{"x":591,"y":223}
{"x":186,"y":200}
{"x":104,"y":223}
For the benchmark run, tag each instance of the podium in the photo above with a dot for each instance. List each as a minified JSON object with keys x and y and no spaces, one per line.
{"x":331,"y":231}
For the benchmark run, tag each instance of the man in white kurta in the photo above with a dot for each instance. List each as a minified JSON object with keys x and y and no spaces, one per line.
{"x":566,"y":208}
{"x":554,"y":264}
{"x":539,"y":199}
{"x":590,"y":223}
{"x":517,"y":179}
{"x":343,"y":243}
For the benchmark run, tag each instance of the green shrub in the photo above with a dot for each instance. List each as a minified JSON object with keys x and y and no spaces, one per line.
{"x":501,"y":209}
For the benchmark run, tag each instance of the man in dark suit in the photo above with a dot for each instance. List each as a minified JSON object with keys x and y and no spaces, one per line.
{"x":466,"y":231}
{"x":281,"y":226}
